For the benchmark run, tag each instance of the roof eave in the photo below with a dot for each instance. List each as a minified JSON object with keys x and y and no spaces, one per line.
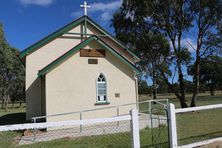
{"x":49,"y":67}
{"x":50,"y":37}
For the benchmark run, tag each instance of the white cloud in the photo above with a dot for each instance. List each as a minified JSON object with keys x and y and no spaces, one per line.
{"x":36,"y":2}
{"x":106,"y":10}
{"x":106,"y":6}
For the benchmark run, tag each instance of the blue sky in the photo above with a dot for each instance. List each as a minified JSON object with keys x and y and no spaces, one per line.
{"x":27,"y":21}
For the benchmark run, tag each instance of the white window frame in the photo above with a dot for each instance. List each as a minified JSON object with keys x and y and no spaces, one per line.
{"x":97,"y":94}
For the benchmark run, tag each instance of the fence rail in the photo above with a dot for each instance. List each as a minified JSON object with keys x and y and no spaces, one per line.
{"x":173,"y":125}
{"x":120,"y":131}
{"x":62,"y":123}
{"x":199,"y":108}
{"x":158,"y":101}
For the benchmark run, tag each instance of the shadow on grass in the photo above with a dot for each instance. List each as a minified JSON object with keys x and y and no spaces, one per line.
{"x":14,"y":118}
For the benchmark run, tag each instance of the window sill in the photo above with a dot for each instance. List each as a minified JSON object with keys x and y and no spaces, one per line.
{"x":102,"y":103}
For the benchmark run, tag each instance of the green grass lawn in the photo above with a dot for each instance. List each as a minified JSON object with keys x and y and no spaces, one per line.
{"x":120,"y":140}
{"x":191,"y":127}
{"x":7,"y":139}
{"x":199,"y":125}
{"x":201,"y":100}
{"x":196,"y":126}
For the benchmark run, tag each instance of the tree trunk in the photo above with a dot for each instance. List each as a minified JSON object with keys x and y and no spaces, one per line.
{"x":180,"y":97}
{"x":2,"y":100}
{"x":183,"y":102}
{"x":3,"y":103}
{"x":196,"y":79}
{"x":212,"y":92}
{"x":154,"y":82}
{"x":20,"y":104}
{"x":154,"y":91}
{"x":6,"y":103}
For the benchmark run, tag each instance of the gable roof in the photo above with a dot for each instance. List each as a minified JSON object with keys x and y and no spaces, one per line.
{"x":112,"y":37}
{"x":68,"y":54}
{"x":68,"y":27}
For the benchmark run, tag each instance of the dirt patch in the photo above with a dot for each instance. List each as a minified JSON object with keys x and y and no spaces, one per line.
{"x":216,"y":144}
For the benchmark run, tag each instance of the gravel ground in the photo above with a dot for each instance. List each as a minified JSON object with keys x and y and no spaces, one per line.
{"x":217,"y":144}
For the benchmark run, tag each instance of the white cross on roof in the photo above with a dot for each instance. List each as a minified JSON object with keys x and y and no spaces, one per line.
{"x":85,"y":6}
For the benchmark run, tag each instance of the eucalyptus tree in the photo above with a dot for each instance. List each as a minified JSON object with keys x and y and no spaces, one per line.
{"x":175,"y":19}
{"x":11,"y":72}
{"x":151,"y":46}
{"x":161,"y":17}
{"x":207,"y":16}
{"x":210,"y":72}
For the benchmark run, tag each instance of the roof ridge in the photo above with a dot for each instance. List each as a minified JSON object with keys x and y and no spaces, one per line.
{"x":67,"y":27}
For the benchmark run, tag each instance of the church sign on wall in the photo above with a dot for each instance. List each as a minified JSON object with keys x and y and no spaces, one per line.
{"x":92,"y":53}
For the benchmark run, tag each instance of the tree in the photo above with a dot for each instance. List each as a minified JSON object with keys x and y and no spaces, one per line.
{"x":174,"y":19}
{"x":143,"y":88}
{"x":210,"y":72}
{"x":153,"y":48}
{"x":11,"y":72}
{"x":162,"y":87}
{"x":17,"y":90}
{"x":165,"y":17}
{"x":207,"y":16}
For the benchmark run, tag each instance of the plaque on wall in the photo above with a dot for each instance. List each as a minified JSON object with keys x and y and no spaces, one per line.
{"x":92,"y":53}
{"x":117,"y":95}
{"x":92,"y":61}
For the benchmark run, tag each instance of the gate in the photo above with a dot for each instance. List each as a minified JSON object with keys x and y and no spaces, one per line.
{"x":153,"y":124}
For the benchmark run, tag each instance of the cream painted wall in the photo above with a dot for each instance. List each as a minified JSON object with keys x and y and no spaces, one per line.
{"x":40,"y":58}
{"x":35,"y":62}
{"x":71,"y":86}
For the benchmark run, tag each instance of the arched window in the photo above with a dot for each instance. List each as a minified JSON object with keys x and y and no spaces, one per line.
{"x":101,"y":88}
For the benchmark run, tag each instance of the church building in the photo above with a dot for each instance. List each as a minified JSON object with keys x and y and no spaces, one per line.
{"x":79,"y":67}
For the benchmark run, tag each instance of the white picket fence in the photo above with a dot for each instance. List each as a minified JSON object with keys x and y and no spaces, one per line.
{"x":133,"y":128}
{"x":132,"y":118}
{"x":173,"y":125}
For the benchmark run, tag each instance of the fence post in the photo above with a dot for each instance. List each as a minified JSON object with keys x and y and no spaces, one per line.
{"x":172,"y":125}
{"x":81,"y":126}
{"x":117,"y":113}
{"x":34,"y":120}
{"x":150,"y":109}
{"x":135,"y":128}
